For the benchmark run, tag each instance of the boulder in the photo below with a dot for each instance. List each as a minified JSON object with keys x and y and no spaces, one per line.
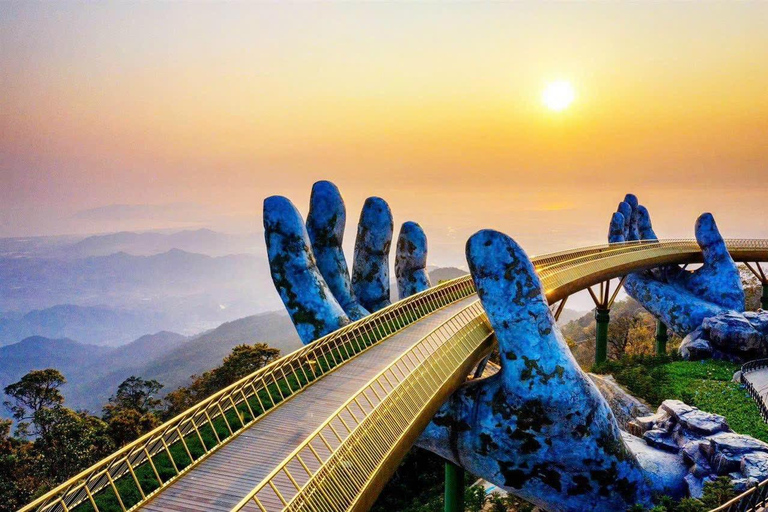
{"x":695,"y":347}
{"x":675,"y":408}
{"x":731,"y":332}
{"x":733,"y":443}
{"x":703,"y":423}
{"x":755,"y":465}
{"x":642,"y":424}
{"x":759,"y":320}
{"x":659,"y":438}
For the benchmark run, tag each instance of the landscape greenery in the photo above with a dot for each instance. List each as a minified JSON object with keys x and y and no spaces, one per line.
{"x":51,"y":442}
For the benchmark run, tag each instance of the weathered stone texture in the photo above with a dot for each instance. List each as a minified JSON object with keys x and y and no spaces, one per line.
{"x":313,"y":308}
{"x":411,"y":260}
{"x":325,"y":227}
{"x":370,"y":271}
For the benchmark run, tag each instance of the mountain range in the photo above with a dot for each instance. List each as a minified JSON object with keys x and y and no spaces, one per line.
{"x":94,"y":372}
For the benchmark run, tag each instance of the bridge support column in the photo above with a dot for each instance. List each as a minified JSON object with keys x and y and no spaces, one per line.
{"x":764,"y":297}
{"x":603,"y":302}
{"x":602,"y":318}
{"x":454,"y":487}
{"x":661,"y":337}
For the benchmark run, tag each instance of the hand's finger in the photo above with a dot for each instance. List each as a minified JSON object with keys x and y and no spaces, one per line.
{"x":411,"y":260}
{"x":325,"y":226}
{"x":305,"y":294}
{"x":634,"y":233}
{"x":515,"y":303}
{"x":370,"y":272}
{"x":616,"y":228}
{"x":626,"y":211}
{"x":644,"y":224}
{"x":710,"y":241}
{"x":718,"y":280}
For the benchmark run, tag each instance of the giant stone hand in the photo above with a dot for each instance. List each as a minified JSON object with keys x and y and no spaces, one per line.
{"x":539,"y":428}
{"x":706,"y":304}
{"x":310,"y":271}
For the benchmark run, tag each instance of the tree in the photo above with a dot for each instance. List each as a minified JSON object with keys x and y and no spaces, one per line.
{"x":18,"y":480}
{"x":242,"y":361}
{"x":132,"y":410}
{"x":37,"y":390}
{"x":69,"y":442}
{"x":126,"y":425}
{"x":136,"y":394}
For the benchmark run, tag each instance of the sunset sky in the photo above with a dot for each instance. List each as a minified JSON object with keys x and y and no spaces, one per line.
{"x":193,"y":113}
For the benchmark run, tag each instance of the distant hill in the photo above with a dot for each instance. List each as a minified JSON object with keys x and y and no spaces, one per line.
{"x":93,"y":373}
{"x":208,"y":349}
{"x":81,"y":363}
{"x":568,"y":315}
{"x":437,"y":274}
{"x":88,"y":324}
{"x":201,"y":241}
{"x":184,"y":291}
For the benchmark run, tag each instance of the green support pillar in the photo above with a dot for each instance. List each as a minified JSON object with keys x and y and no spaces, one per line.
{"x":602,"y":317}
{"x":764,"y":298}
{"x":454,"y":487}
{"x":661,"y":337}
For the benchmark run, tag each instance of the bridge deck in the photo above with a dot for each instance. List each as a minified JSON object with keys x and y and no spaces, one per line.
{"x":219,"y":482}
{"x":759,"y":381}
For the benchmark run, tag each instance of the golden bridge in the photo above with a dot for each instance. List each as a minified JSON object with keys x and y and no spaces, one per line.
{"x":324,"y":428}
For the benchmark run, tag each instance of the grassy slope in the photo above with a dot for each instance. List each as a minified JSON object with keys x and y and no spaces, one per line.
{"x":703,"y":384}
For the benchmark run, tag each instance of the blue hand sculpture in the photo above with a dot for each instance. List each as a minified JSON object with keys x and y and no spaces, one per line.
{"x":310,"y":271}
{"x":539,"y":428}
{"x":693,"y":302}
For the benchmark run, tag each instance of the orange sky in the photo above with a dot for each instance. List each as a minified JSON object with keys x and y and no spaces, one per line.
{"x":434,"y":107}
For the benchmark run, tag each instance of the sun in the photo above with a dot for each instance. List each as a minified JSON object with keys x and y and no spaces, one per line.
{"x":558,"y":95}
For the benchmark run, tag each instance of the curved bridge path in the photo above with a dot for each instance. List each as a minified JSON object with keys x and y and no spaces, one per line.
{"x":324,"y":428}
{"x":219,"y":482}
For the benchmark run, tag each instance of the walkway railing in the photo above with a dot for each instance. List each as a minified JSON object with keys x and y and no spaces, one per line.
{"x":752,"y":366}
{"x":138,"y":471}
{"x":753,"y":500}
{"x":562,"y":275}
{"x":335,"y":466}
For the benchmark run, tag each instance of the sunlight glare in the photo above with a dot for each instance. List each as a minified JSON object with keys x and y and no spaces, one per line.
{"x":558,"y":95}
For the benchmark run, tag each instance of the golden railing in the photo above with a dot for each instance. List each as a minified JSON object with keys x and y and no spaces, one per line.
{"x":141,"y":469}
{"x":236,"y":407}
{"x":336,"y":466}
{"x":562,"y":276}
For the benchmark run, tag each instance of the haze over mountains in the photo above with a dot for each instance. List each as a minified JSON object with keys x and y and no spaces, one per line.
{"x":111,"y":289}
{"x":86,"y":305}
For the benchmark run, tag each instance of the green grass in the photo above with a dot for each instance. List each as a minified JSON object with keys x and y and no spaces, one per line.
{"x":703,"y":384}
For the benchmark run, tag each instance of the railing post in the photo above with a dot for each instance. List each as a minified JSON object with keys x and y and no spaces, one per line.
{"x":602,"y":317}
{"x":454,"y":487}
{"x":661,"y":337}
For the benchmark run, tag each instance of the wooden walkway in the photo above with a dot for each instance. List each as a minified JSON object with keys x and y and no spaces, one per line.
{"x":219,"y":482}
{"x":758,"y":380}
